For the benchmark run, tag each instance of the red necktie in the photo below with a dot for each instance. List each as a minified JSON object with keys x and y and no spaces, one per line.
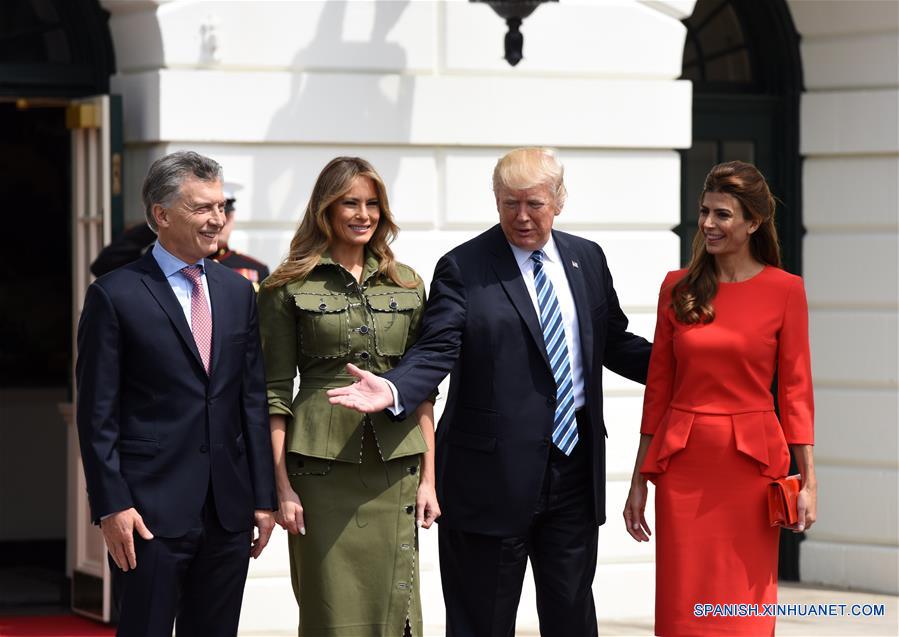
{"x":200,"y":319}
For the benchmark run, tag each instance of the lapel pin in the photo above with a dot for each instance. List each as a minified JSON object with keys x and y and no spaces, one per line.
{"x":574,"y":263}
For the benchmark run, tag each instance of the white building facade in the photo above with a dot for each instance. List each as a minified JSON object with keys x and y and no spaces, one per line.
{"x":274,"y":89}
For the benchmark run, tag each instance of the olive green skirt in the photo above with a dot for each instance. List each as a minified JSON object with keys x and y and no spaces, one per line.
{"x":355,"y":572}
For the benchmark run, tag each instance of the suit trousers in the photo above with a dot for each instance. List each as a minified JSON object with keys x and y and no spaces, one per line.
{"x":482,"y":575}
{"x":196,"y":580}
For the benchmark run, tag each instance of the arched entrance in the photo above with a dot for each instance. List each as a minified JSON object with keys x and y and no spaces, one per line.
{"x":743,"y":59}
{"x":52,"y":54}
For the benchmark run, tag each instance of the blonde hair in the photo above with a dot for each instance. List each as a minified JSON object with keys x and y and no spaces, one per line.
{"x":524,"y":168}
{"x":314,"y":234}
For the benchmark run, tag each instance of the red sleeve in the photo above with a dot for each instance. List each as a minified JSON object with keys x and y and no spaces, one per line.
{"x":662,"y":364}
{"x":794,"y":371}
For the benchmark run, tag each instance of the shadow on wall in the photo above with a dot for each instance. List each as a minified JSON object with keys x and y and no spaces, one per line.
{"x":137,"y":40}
{"x":319,"y":110}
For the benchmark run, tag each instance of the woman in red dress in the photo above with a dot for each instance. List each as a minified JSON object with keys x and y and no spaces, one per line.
{"x":710,"y":439}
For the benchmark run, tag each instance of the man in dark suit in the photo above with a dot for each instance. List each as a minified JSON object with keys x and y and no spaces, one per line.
{"x":525,"y":318}
{"x":172,"y":415}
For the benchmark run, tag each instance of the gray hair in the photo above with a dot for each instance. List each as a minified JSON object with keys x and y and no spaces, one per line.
{"x":166,"y":174}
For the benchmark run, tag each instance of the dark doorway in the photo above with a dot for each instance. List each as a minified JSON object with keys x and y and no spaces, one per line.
{"x":50,"y":52}
{"x":35,"y":355}
{"x":743,"y":59}
{"x":54,"y":48}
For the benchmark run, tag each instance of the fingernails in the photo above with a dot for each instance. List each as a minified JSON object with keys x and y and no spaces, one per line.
{"x":302,"y":530}
{"x":636,"y":526}
{"x":419,"y":523}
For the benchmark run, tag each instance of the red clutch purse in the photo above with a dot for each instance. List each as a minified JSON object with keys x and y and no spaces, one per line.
{"x":783,"y":497}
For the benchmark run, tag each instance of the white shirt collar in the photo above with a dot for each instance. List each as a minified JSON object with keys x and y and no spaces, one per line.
{"x":523,"y":257}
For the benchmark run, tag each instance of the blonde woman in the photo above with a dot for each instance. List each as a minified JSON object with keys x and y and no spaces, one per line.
{"x":352,"y":489}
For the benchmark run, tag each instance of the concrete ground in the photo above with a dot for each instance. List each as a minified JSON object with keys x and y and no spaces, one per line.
{"x":887,"y":625}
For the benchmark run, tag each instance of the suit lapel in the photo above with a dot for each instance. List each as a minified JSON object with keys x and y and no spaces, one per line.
{"x":219,"y":315}
{"x":509,"y":274}
{"x":160,"y":289}
{"x":575,"y":276}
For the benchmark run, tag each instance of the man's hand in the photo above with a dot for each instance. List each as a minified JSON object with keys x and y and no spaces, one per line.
{"x":118,"y":531}
{"x":264,"y":520}
{"x":367,"y":395}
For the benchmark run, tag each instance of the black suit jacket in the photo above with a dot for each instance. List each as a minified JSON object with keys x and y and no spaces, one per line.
{"x":493,"y":439}
{"x":155,"y":430}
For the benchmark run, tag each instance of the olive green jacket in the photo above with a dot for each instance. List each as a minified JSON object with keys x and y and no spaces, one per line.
{"x":318,"y":325}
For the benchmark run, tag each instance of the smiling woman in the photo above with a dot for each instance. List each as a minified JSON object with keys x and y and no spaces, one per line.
{"x":354,"y":217}
{"x":340,"y":297}
{"x":736,"y":237}
{"x":711,"y":439}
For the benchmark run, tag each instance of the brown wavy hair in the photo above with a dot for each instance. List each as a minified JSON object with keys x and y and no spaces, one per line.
{"x":314,"y":234}
{"x":691,"y":297}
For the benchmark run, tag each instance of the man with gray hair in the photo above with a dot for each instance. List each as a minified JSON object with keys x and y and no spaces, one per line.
{"x":172,"y":415}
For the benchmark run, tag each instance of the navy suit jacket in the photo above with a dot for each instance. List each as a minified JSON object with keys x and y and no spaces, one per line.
{"x":494,"y":437}
{"x":156,"y":432}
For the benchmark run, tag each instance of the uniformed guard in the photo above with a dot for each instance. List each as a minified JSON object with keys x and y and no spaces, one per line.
{"x":250,"y":268}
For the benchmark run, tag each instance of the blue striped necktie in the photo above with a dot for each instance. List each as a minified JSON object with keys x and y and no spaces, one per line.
{"x":565,"y":425}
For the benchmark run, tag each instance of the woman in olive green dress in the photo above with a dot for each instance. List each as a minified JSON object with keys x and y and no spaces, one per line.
{"x":353,"y":489}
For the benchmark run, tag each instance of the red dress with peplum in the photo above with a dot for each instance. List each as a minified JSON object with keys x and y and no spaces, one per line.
{"x":716,"y":444}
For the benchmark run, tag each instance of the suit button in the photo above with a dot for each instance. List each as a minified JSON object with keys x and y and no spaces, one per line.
{"x":204,"y":448}
{"x":546,"y":441}
{"x":550,"y":401}
{"x":410,"y":509}
{"x":364,"y":356}
{"x":363,"y":329}
{"x":413,"y":470}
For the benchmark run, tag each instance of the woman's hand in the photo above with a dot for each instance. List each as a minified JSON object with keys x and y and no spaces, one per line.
{"x":634,"y":508}
{"x":290,"y":512}
{"x":426,"y":507}
{"x":807,"y":505}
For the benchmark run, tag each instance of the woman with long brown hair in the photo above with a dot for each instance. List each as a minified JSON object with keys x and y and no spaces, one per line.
{"x":710,"y":439}
{"x":352,"y":489}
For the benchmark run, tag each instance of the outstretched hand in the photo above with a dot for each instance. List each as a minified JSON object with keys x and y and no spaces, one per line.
{"x":367,"y":395}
